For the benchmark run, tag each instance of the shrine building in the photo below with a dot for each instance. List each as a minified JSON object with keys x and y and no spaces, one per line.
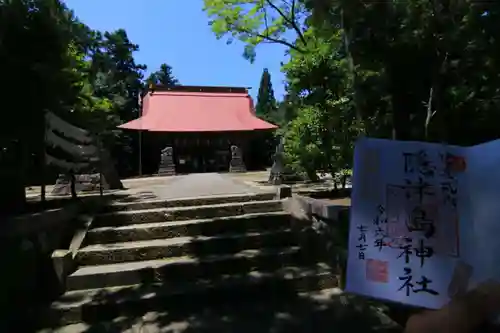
{"x":202,"y":128}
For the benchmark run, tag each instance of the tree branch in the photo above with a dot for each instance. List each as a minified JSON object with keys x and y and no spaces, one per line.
{"x":281,"y":41}
{"x":265,"y":19}
{"x":430,"y":113}
{"x":269,"y":38}
{"x":288,"y":20}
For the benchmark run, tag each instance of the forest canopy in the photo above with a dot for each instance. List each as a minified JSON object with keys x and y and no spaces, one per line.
{"x":52,"y":62}
{"x":407,"y":70}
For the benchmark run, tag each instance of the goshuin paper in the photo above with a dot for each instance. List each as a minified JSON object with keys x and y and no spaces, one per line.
{"x":425,"y":219}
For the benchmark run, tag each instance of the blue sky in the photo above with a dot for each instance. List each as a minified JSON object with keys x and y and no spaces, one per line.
{"x":177,"y":32}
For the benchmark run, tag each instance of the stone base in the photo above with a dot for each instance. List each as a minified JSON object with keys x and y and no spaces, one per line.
{"x":275,"y":179}
{"x":237,"y":165}
{"x":237,"y":169}
{"x":83,"y":183}
{"x":166,"y":171}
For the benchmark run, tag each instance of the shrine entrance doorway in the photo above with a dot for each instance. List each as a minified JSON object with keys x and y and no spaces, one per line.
{"x":201,"y":153}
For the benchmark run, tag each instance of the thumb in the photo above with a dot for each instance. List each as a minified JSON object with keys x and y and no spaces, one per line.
{"x":460,"y":315}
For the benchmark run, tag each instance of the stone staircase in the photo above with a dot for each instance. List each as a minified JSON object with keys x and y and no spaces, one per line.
{"x":145,"y":256}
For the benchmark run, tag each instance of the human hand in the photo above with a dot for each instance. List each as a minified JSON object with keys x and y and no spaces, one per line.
{"x":463,"y":314}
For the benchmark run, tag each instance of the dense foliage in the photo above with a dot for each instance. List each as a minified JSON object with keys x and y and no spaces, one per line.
{"x":50,"y":61}
{"x":427,"y":71}
{"x":409,"y":70}
{"x":163,"y":76}
{"x":266,"y":102}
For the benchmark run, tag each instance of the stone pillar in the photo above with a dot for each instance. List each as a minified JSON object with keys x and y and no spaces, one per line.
{"x":167,"y":166}
{"x":236,"y":164}
{"x":283,"y":192}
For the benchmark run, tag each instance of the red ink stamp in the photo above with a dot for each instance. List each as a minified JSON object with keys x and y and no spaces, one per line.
{"x":377,"y":271}
{"x":456,"y":163}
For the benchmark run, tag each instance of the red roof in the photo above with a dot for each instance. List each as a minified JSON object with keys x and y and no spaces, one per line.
{"x":197,"y":111}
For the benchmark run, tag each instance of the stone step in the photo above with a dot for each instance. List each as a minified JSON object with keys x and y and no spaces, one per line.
{"x":277,"y":316}
{"x":201,"y":227}
{"x":184,"y":202}
{"x":181,"y":268}
{"x":102,"y":304}
{"x":187,"y":213}
{"x":102,"y":254}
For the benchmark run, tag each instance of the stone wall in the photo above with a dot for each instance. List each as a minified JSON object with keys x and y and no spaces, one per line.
{"x":26,"y":245}
{"x":322,"y":228}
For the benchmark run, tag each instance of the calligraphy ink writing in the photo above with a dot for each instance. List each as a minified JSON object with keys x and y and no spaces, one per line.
{"x":407,"y":281}
{"x":423,"y":252}
{"x":380,"y":217}
{"x":362,"y":229}
{"x":419,"y":162}
{"x":451,"y":165}
{"x":379,"y":233}
{"x":419,"y":221}
{"x":424,"y":286}
{"x":362,"y":246}
{"x":449,"y":191}
{"x":421,"y":188}
{"x":446,"y":160}
{"x":409,"y":285}
{"x":379,"y":243}
{"x":406,"y":250}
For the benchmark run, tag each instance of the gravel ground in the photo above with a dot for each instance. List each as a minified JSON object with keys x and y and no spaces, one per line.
{"x":200,"y":185}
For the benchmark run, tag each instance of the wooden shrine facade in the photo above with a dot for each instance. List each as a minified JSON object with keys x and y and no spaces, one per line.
{"x":200,"y":129}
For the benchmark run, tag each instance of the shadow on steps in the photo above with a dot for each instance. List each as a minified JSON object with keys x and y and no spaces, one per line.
{"x":274,"y":306}
{"x":313,"y":312}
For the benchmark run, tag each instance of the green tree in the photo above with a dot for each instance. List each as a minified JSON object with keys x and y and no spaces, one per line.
{"x":287,"y":110}
{"x":266,"y":103}
{"x":425,"y":72}
{"x":35,"y":63}
{"x":163,"y":76}
{"x":258,"y":21}
{"x":318,"y":111}
{"x":320,"y":94}
{"x":53,"y":62}
{"x":116,"y":77}
{"x":447,"y":48}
